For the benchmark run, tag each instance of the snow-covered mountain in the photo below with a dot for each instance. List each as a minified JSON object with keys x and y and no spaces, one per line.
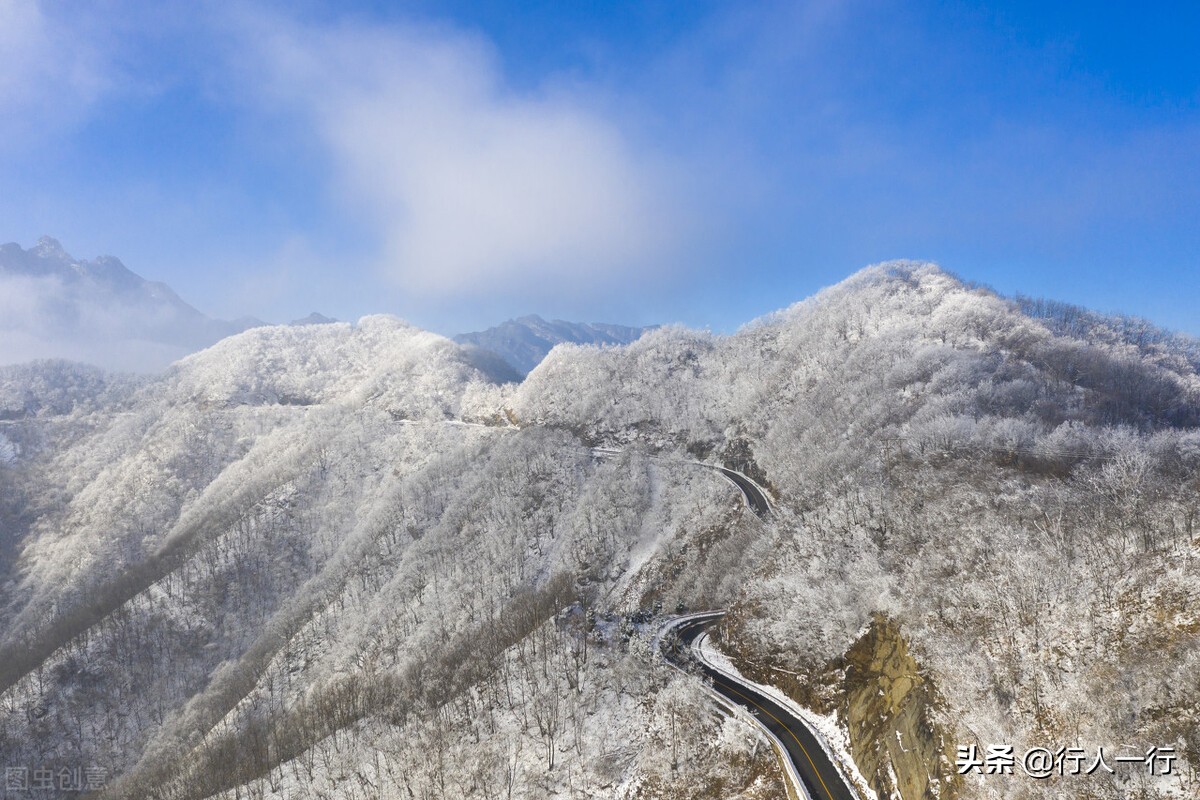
{"x":53,"y":305}
{"x":523,"y":342}
{"x":345,"y":560}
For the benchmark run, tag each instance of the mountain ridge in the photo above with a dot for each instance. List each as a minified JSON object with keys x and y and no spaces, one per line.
{"x":341,"y":553}
{"x":524,"y":341}
{"x":97,"y":311}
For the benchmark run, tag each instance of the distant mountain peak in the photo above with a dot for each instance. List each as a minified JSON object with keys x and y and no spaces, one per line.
{"x":96,"y":311}
{"x":523,"y":342}
{"x":50,"y":248}
{"x":315,"y":318}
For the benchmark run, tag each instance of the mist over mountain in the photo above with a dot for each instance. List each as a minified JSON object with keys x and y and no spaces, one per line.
{"x":315,"y":318}
{"x":345,"y":560}
{"x":53,"y":305}
{"x":523,"y":342}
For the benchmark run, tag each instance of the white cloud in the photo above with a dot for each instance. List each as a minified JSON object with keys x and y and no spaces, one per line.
{"x":51,"y":70}
{"x":473,"y":187}
{"x":40,"y":317}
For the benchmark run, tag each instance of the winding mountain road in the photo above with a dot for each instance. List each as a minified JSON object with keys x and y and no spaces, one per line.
{"x":756,"y":498}
{"x":755,"y":495}
{"x":810,"y":768}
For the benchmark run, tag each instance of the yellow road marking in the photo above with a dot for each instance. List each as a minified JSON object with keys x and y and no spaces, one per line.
{"x":803,"y":749}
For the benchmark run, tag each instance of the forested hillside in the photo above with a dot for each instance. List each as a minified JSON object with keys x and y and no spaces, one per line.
{"x":344,"y":561}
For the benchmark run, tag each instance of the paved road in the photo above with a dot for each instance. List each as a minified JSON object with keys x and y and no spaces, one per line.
{"x":822,"y":779}
{"x":756,"y":498}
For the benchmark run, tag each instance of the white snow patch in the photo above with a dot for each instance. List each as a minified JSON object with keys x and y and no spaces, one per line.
{"x":832,"y":736}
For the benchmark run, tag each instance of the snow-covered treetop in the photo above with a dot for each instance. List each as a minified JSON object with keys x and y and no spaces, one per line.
{"x":381,"y":359}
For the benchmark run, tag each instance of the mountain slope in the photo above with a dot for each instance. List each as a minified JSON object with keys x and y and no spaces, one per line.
{"x":954,"y":464}
{"x":281,"y":496}
{"x":314,"y":559}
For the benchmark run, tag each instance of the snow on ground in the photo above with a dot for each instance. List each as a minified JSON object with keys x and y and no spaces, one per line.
{"x":8,"y":451}
{"x":832,"y":736}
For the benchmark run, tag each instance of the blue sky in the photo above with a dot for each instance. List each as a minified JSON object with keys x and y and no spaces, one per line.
{"x":458,"y":163}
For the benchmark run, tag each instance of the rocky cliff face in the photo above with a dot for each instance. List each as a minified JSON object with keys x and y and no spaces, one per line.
{"x":890,"y":707}
{"x":891,"y":710}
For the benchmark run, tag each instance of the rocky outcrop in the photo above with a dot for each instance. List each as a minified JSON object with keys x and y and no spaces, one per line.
{"x":891,"y":710}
